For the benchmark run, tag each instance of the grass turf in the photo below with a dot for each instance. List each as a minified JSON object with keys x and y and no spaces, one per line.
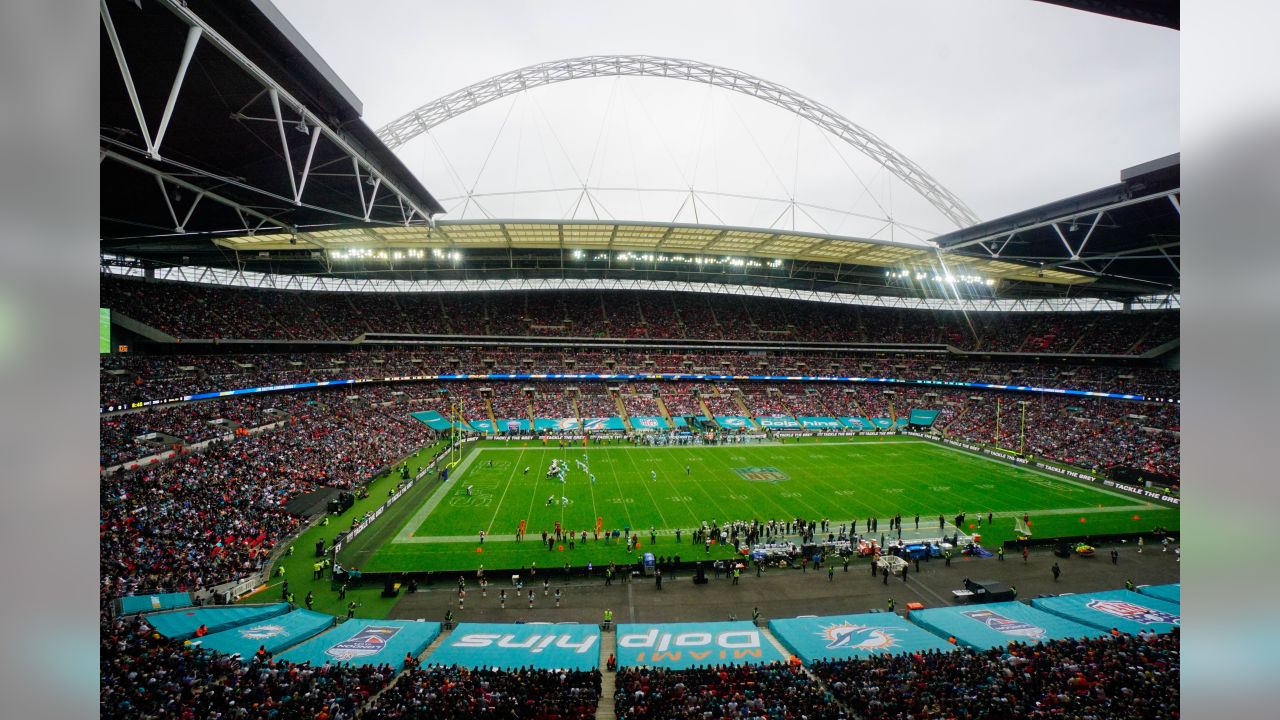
{"x":437,"y":528}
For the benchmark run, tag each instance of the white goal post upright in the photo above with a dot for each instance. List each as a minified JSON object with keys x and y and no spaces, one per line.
{"x":455,"y":435}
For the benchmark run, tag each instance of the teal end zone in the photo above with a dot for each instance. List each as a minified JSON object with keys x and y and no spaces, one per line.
{"x":275,"y":634}
{"x":557,"y":424}
{"x":543,"y":646}
{"x":182,"y":624}
{"x":778,"y":422}
{"x":997,"y":624}
{"x":366,"y":642}
{"x":149,"y":603}
{"x":649,"y":422}
{"x":923,"y":417}
{"x":680,"y":646}
{"x":436,"y":421}
{"x":820,"y":423}
{"x":733,"y":422}
{"x":603,"y":423}
{"x":1124,"y":610}
{"x":1169,"y":593}
{"x":844,"y":637}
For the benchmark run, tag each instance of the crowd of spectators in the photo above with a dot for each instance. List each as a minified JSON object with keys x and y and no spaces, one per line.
{"x":680,"y":399}
{"x":509,"y":401}
{"x":642,"y":400}
{"x":453,"y":693}
{"x":144,"y":675}
{"x":720,"y":400}
{"x":771,"y":691}
{"x":1112,"y":677}
{"x":595,"y":401}
{"x":125,"y":378}
{"x":200,"y":311}
{"x":211,"y":516}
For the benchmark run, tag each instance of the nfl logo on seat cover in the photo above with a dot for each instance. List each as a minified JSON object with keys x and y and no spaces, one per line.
{"x":369,"y":641}
{"x":1008,"y":626}
{"x":1135,"y":613}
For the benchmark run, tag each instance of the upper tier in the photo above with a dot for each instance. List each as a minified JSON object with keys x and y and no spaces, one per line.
{"x":191,"y":311}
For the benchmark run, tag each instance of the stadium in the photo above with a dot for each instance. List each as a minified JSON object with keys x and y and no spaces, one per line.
{"x":572,"y":439}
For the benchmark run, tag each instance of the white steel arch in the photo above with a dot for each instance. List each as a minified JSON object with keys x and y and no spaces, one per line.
{"x":403,"y":129}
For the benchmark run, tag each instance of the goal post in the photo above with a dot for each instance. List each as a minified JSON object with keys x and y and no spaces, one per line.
{"x":455,"y":435}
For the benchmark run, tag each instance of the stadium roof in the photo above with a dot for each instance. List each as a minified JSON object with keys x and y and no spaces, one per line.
{"x":1165,"y":13}
{"x":216,"y":117}
{"x":1126,"y":235}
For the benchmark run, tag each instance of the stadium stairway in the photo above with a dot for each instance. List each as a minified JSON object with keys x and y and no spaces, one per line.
{"x":400,"y":675}
{"x":622,"y":411}
{"x":746,"y":411}
{"x":528,"y":399}
{"x":608,"y":680}
{"x":488,"y":409}
{"x":706,"y":411}
{"x":662,"y":410}
{"x":768,"y":635}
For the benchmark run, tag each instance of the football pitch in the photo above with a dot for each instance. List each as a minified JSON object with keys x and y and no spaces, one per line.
{"x":437,"y":527}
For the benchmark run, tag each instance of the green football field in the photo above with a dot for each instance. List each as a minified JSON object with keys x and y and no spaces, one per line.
{"x":437,"y":527}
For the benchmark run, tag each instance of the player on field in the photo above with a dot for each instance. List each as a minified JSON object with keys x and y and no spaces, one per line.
{"x":550,"y":499}
{"x":653,"y":475}
{"x":593,"y":479}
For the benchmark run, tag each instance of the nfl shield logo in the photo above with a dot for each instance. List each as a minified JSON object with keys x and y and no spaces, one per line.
{"x":1136,"y":613}
{"x":369,"y":641}
{"x":761,"y":474}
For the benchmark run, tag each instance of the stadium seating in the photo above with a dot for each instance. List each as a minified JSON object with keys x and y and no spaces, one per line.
{"x":452,"y":693}
{"x":199,"y":311}
{"x":1117,"y":677}
{"x":746,"y":691}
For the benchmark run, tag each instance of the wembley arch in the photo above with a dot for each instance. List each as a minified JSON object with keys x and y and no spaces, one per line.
{"x":409,"y":126}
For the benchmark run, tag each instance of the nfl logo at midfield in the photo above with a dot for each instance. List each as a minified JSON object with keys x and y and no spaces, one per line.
{"x":761,"y":474}
{"x":369,"y":641}
{"x":1008,"y":626}
{"x":857,"y":637}
{"x":1136,"y":613}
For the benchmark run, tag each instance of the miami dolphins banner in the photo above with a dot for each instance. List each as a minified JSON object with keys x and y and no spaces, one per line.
{"x":858,"y":423}
{"x":734,"y":422}
{"x":510,"y":647}
{"x":436,"y":421}
{"x":603,"y":423}
{"x":649,"y":422}
{"x":182,"y":624}
{"x":998,"y":624}
{"x":557,"y":424}
{"x":1168,"y":593}
{"x":366,"y":642}
{"x":680,"y":646}
{"x":514,"y":425}
{"x":923,"y":417}
{"x":820,"y":423}
{"x":844,"y":637}
{"x":275,"y":634}
{"x":777,"y":422}
{"x":1124,"y":610}
{"x":148,"y":603}
{"x":484,"y":426}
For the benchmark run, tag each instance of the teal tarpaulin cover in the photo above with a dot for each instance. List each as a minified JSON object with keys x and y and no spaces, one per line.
{"x":276,"y":634}
{"x":842,"y":637}
{"x":148,"y":603}
{"x":510,"y":647}
{"x":1124,"y":610}
{"x":182,"y":624}
{"x":998,"y":624}
{"x":679,"y":646}
{"x":366,"y":642}
{"x":1168,"y":593}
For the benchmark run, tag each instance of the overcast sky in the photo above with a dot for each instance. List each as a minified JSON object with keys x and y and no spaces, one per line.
{"x":1008,"y":103}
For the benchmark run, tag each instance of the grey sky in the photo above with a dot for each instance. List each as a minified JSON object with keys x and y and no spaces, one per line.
{"x":1008,"y":103}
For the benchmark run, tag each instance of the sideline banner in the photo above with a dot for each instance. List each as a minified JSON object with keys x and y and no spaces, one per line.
{"x":1124,"y":610}
{"x":366,"y":642}
{"x":733,"y":422}
{"x":649,"y":422}
{"x":511,"y":647}
{"x":844,"y":637}
{"x":679,"y":646}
